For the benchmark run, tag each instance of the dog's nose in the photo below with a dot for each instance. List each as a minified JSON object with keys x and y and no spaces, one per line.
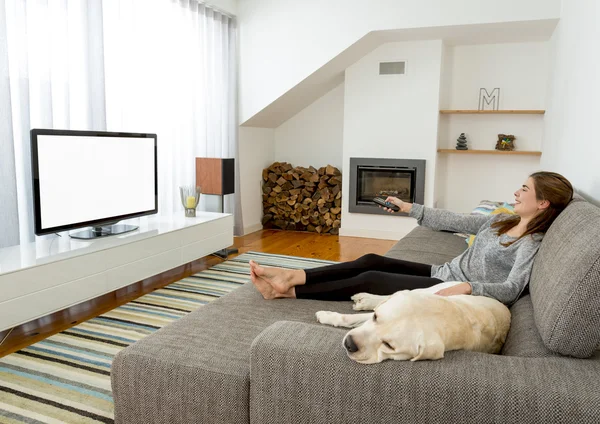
{"x":350,"y":345}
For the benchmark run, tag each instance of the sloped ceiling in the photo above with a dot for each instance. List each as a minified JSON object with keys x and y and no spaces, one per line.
{"x":331,"y":74}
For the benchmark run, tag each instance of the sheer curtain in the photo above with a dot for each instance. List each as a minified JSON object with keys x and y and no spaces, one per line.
{"x":51,"y":77}
{"x":171,"y":69}
{"x":163,"y":66}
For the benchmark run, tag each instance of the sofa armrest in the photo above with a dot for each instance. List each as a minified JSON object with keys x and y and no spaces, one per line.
{"x":299,"y":373}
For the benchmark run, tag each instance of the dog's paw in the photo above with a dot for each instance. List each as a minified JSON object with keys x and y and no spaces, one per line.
{"x":329,"y":318}
{"x":366,"y":301}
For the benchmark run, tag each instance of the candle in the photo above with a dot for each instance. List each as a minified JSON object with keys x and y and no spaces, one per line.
{"x":190,"y":202}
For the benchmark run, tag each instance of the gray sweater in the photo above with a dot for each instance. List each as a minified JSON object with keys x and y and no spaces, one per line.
{"x":491,"y":269}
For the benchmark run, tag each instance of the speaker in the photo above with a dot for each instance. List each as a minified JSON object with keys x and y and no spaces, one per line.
{"x":215,"y":175}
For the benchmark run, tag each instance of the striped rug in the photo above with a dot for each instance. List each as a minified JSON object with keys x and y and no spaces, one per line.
{"x":66,"y":377}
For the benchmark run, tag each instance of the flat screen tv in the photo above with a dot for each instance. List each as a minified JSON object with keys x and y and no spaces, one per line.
{"x":92,"y":179}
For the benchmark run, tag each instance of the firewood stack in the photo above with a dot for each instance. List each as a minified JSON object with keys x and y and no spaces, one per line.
{"x":302,"y":199}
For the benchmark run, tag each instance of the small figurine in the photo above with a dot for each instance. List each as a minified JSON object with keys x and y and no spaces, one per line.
{"x":505,"y":142}
{"x":461,"y":142}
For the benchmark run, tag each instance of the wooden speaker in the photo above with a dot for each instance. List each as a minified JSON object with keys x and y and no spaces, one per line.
{"x":215,"y":175}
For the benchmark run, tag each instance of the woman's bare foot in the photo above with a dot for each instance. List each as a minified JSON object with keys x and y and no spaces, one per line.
{"x":271,"y":281}
{"x":267,"y":291}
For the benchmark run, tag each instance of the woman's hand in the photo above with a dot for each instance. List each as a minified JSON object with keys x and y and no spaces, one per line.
{"x":462,"y":288}
{"x":404,"y":206}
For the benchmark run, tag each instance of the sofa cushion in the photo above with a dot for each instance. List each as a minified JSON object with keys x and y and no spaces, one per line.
{"x":565,"y":282}
{"x":505,"y":209}
{"x":301,"y":374}
{"x":424,"y":245}
{"x":197,"y":369}
{"x":485,"y":207}
{"x":523,"y":339}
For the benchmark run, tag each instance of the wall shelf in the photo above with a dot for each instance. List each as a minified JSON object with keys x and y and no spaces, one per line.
{"x":493,"y":112}
{"x":490,"y":152}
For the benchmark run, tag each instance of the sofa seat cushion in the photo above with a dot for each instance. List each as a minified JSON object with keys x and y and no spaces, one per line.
{"x":424,"y":245}
{"x":565,"y":282}
{"x":523,"y":339}
{"x":301,"y":374}
{"x":197,"y":368}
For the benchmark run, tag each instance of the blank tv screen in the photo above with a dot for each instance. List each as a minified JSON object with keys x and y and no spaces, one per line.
{"x":88,"y":178}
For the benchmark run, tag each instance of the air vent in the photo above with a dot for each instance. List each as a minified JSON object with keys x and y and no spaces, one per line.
{"x":392,"y":68}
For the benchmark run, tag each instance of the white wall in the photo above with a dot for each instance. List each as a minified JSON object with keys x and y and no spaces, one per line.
{"x":256,"y":153}
{"x":571,"y":144}
{"x":284,"y":41}
{"x":469,"y":179}
{"x":397,"y":116}
{"x":439,"y":194}
{"x":391,"y":116}
{"x":520,"y":70}
{"x":315,"y":135}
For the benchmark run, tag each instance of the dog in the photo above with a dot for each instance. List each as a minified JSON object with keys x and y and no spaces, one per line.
{"x":418,"y":324}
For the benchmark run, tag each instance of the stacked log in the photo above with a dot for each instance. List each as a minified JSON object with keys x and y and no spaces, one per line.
{"x":302,"y":199}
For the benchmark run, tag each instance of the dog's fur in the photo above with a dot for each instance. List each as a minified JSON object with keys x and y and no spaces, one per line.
{"x":419,"y":325}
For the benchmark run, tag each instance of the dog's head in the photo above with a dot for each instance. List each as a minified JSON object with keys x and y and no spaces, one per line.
{"x":400,"y":329}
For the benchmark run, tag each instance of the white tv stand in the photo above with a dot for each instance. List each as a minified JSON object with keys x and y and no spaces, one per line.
{"x":49,"y":275}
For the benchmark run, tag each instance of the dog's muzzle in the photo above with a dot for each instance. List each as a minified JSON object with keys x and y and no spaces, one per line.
{"x":350,"y":345}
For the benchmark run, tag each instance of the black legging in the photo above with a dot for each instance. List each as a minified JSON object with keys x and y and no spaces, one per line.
{"x":370,"y":273}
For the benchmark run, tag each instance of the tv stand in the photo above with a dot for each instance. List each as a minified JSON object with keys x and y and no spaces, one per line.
{"x":55,"y":273}
{"x":103,"y":231}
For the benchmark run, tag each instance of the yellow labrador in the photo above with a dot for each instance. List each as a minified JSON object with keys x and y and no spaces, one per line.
{"x":418,"y":324}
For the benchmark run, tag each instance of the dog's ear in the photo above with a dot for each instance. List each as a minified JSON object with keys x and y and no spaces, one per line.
{"x":430,"y":346}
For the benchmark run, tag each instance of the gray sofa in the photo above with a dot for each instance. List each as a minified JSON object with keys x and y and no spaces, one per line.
{"x":242,"y":359}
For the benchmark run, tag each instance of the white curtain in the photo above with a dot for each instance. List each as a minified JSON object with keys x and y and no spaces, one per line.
{"x":9,"y":212}
{"x":163,"y":66}
{"x":51,"y":70}
{"x":171,"y":69}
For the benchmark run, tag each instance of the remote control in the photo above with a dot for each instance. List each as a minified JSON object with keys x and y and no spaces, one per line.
{"x":385,"y":204}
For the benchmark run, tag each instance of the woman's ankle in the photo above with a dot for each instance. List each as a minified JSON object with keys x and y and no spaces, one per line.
{"x":298,"y":277}
{"x":289,"y":279}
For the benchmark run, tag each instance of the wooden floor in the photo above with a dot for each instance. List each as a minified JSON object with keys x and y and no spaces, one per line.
{"x":309,"y":245}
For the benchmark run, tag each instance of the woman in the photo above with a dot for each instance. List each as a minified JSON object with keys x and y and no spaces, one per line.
{"x":497,"y":265}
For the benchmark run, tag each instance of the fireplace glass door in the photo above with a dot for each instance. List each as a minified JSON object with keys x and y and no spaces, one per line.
{"x":377,"y":181}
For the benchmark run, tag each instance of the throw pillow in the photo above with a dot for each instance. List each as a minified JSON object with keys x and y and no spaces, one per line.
{"x":485,"y":207}
{"x":505,"y":208}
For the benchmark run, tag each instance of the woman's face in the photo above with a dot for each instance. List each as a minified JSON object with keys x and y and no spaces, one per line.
{"x":526,"y":204}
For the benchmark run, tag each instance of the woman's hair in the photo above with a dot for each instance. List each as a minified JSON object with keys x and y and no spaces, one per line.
{"x":550,"y":186}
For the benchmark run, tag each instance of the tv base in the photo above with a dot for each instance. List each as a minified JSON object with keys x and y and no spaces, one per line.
{"x":109,"y":230}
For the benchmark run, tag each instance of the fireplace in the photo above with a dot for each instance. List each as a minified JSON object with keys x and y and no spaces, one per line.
{"x":372,"y":177}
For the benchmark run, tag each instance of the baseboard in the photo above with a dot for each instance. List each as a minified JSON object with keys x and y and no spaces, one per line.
{"x":382,"y":235}
{"x":252,"y":228}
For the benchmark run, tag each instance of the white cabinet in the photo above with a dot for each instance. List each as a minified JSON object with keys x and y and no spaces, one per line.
{"x":46,"y":276}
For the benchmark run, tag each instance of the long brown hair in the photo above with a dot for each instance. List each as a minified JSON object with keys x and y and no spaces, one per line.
{"x":550,"y":186}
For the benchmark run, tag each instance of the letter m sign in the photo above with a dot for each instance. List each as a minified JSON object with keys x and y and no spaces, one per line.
{"x":489,"y":101}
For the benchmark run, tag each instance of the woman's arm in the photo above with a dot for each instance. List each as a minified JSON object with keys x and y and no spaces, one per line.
{"x":441,"y":219}
{"x":462,"y":288}
{"x":509,"y":291}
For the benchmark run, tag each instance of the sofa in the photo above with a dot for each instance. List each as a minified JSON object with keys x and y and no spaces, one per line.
{"x":241,"y":359}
